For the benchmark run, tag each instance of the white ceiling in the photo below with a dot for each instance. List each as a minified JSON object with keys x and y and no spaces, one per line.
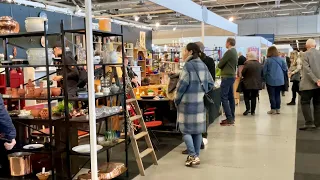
{"x":239,"y":9}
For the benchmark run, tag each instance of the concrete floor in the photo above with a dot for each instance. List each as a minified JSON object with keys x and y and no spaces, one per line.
{"x":256,"y":148}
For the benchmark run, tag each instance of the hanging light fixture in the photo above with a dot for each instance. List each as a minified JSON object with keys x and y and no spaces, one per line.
{"x":231,"y":18}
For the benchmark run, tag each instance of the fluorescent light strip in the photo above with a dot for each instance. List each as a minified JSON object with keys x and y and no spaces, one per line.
{"x":284,"y":14}
{"x":307,"y":12}
{"x":124,"y":9}
{"x":255,"y":7}
{"x":311,"y":2}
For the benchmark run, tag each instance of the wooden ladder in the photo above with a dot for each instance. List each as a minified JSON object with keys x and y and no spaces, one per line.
{"x":144,"y":131}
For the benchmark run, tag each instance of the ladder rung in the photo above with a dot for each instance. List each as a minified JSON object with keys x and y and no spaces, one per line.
{"x":130,"y":100}
{"x":140,"y":135}
{"x":146,"y":152}
{"x":135,"y":117}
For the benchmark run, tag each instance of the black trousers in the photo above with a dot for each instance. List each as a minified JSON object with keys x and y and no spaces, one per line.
{"x":295,"y":90}
{"x":250,"y":99}
{"x":306,"y":97}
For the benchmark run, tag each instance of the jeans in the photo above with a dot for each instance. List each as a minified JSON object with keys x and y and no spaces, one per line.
{"x":250,"y":96}
{"x":306,"y":97}
{"x":227,"y":98}
{"x":274,"y":96}
{"x":193,"y":143}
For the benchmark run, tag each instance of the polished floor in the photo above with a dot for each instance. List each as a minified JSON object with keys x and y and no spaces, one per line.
{"x":256,"y":148}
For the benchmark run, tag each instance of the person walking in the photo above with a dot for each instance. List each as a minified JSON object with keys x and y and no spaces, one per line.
{"x":294,"y":75}
{"x":195,"y":80}
{"x":252,"y":82}
{"x":274,"y":72}
{"x":310,"y":86}
{"x":228,"y":66}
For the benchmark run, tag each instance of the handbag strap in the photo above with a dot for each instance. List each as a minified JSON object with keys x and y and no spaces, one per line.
{"x":198,"y":77}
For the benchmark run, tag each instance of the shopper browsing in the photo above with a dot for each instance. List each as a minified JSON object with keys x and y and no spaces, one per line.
{"x":274,"y":72}
{"x":252,"y":82}
{"x":73,"y":74}
{"x":209,"y":62}
{"x":195,"y":80}
{"x":310,"y":86}
{"x":241,"y":61}
{"x":294,"y":75}
{"x":228,"y":66}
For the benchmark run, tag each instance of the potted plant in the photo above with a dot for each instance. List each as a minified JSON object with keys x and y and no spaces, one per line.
{"x":150,"y":92}
{"x":59,"y":110}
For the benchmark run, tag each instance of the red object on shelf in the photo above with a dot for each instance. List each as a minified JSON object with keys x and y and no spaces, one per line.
{"x":16,"y":78}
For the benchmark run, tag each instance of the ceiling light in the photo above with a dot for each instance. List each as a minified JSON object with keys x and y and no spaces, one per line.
{"x":284,"y":14}
{"x":307,"y":12}
{"x":192,"y":21}
{"x":136,"y":18}
{"x":254,"y":7}
{"x":311,"y":2}
{"x":175,"y":28}
{"x":231,"y":19}
{"x":157,"y":24}
{"x":124,"y":9}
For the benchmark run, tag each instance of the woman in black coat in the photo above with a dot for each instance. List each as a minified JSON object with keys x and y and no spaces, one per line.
{"x":252,"y":82}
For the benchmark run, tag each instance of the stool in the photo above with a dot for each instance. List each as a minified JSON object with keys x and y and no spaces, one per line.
{"x":149,"y":116}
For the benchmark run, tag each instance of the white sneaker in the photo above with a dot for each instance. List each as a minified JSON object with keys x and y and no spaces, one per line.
{"x":196,"y":161}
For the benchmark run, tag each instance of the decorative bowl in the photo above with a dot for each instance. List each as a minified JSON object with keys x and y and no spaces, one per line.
{"x":7,"y":25}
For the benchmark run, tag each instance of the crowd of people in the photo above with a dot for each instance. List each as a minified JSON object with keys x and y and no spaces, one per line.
{"x":275,"y":72}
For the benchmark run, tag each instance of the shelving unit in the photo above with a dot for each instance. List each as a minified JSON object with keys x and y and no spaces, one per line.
{"x":60,"y":128}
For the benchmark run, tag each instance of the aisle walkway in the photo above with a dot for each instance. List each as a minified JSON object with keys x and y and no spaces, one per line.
{"x":257,"y":148}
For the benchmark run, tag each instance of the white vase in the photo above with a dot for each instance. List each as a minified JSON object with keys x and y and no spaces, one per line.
{"x":35,"y":24}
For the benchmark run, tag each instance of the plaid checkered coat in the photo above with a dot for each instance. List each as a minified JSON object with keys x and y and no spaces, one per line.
{"x":189,"y":97}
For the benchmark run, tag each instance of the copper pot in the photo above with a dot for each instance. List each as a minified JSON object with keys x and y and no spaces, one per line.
{"x":35,"y":113}
{"x":56,"y":91}
{"x":7,"y":25}
{"x":20,"y":163}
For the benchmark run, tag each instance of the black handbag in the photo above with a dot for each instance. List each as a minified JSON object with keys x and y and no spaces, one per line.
{"x":240,"y":86}
{"x":206,"y":98}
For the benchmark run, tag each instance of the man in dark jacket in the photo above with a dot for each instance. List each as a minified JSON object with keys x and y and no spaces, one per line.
{"x":212,"y":68}
{"x":72,"y":71}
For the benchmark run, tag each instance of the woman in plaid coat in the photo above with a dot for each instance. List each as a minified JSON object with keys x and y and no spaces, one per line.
{"x":195,"y":80}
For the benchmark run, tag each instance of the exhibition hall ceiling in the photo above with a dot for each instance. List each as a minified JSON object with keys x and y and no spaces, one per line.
{"x":237,"y":9}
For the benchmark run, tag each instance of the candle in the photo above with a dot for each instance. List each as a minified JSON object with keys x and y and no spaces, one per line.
{"x":43,"y":170}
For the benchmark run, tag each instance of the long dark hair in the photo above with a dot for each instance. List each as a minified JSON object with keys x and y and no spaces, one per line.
{"x":195,"y":50}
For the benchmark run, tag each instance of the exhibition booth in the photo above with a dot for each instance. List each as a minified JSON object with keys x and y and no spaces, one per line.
{"x":75,"y":111}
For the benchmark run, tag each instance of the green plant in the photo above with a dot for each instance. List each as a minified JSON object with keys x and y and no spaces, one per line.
{"x":150,"y":91}
{"x":60,"y":107}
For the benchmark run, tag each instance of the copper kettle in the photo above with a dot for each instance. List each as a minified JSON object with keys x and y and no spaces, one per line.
{"x":20,"y":163}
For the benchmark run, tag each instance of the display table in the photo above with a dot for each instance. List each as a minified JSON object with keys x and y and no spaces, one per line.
{"x":166,"y":113}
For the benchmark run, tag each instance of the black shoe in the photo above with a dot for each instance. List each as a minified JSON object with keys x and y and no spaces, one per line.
{"x":292,"y":103}
{"x":246,"y":112}
{"x":307,"y":128}
{"x":185,"y":151}
{"x":253,"y":113}
{"x":202,"y":146}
